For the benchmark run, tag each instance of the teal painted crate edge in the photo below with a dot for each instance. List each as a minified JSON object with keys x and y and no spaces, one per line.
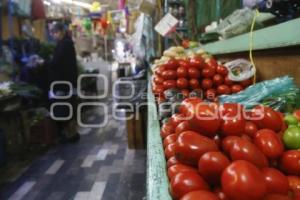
{"x":157,"y":180}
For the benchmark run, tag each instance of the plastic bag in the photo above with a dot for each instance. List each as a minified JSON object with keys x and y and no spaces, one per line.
{"x":255,"y":94}
{"x":240,"y":70}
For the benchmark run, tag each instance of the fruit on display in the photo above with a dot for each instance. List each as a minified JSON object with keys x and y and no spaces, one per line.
{"x":223,"y":151}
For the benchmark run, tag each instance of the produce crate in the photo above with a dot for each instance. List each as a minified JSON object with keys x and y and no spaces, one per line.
{"x":157,"y":180}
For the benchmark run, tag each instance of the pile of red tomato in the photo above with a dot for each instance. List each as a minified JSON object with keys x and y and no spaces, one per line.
{"x":195,"y":73}
{"x":224,"y":152}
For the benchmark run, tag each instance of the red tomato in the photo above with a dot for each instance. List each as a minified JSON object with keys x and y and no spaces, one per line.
{"x":184,"y":63}
{"x":296,"y":113}
{"x":218,"y":141}
{"x":194,"y":73}
{"x":182,"y":127}
{"x":247,"y":82}
{"x":220,"y":194}
{"x":208,"y":72}
{"x":190,"y":146}
{"x":233,"y":127}
{"x":250,"y":129}
{"x":266,"y":118}
{"x":172,"y":64}
{"x":211,"y":62}
{"x":206,"y":84}
{"x":233,"y":110}
{"x":172,"y":161}
{"x":294,"y":183}
{"x":161,"y":99}
{"x":242,"y":180}
{"x":159,"y":70}
{"x":158,"y":80}
{"x":176,"y":119}
{"x":228,"y":143}
{"x":169,"y":140}
{"x":290,"y":162}
{"x":185,"y":92}
{"x":218,"y":79}
{"x":169,"y":74}
{"x":170,"y":150}
{"x":276,"y":197}
{"x":182,"y":83}
{"x":236,"y":88}
{"x":269,"y":143}
{"x":211,"y":94}
{"x":189,"y":105}
{"x":158,"y":89}
{"x":194,"y":83}
{"x":228,"y":82}
{"x":197,"y":62}
{"x":211,"y":166}
{"x":223,"y":89}
{"x":276,"y":181}
{"x":222,"y":70}
{"x":185,"y":182}
{"x":182,"y":72}
{"x":169,"y":84}
{"x":175,"y":169}
{"x":245,"y":150}
{"x":200,"y":194}
{"x":167,"y":129}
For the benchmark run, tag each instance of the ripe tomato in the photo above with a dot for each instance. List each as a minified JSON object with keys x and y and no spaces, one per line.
{"x":276,"y":182}
{"x":169,"y":140}
{"x":247,"y":82}
{"x":194,"y":73}
{"x":176,"y":119}
{"x":161,"y":99}
{"x":184,"y":63}
{"x":242,"y":180}
{"x":269,"y":143}
{"x":205,"y":119}
{"x":269,"y":118}
{"x":208,"y":72}
{"x":172,"y":161}
{"x":228,"y":82}
{"x":250,"y":129}
{"x":182,"y":127}
{"x":159,"y":70}
{"x":190,"y":146}
{"x":206,"y":84}
{"x":167,"y":129}
{"x":194,"y":83}
{"x":211,"y":94}
{"x":172,"y":64}
{"x":218,"y":141}
{"x":220,"y":194}
{"x":223,"y":89}
{"x":169,"y":84}
{"x":158,"y":89}
{"x":189,"y":105}
{"x":182,"y":72}
{"x":245,"y":150}
{"x":233,"y":127}
{"x":211,"y":62}
{"x":236,"y":88}
{"x":296,"y":113}
{"x":290,"y":162}
{"x":197,"y":62}
{"x":294,"y":183}
{"x":169,"y":74}
{"x":228,"y":143}
{"x":185,"y":182}
{"x":175,"y":169}
{"x":276,"y":197}
{"x":218,"y":79}
{"x":182,"y":83}
{"x":170,"y":150}
{"x":222,"y":70}
{"x":211,"y":166}
{"x":158,"y":80}
{"x":185,"y":92}
{"x":200,"y":194}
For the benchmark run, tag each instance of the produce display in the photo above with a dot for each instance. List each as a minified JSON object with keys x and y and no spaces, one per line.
{"x":227,"y":152}
{"x":193,"y":71}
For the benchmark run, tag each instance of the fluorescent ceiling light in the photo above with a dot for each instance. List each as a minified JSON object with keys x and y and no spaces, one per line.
{"x":76,"y":3}
{"x":47,"y":3}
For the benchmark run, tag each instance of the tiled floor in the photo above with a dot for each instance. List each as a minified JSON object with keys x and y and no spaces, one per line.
{"x":100,"y":166}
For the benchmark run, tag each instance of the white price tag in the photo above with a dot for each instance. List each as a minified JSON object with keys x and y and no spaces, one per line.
{"x":166,"y":24}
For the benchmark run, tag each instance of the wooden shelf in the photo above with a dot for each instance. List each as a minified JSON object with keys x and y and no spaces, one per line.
{"x":157,"y":180}
{"x":281,"y":35}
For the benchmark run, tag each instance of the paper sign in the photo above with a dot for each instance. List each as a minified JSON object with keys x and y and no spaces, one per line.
{"x":166,"y":25}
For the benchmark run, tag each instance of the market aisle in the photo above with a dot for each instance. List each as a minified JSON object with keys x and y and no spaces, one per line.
{"x":100,"y":166}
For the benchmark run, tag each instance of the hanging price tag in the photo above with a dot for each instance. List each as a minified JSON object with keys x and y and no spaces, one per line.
{"x":166,"y":25}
